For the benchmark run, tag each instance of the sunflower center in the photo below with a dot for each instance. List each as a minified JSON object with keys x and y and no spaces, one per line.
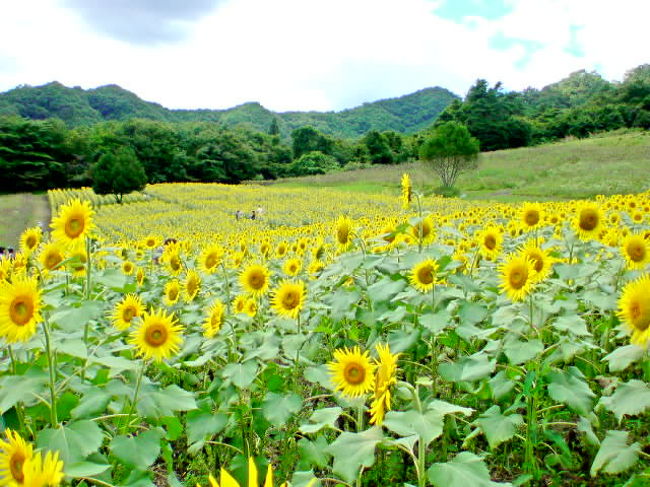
{"x":588,"y":219}
{"x":425,"y":275}
{"x":210,"y":261}
{"x":156,"y":335}
{"x":192,"y":286}
{"x":531,"y":218}
{"x":354,"y":373}
{"x":518,"y":277}
{"x":16,"y":466}
{"x":172,"y":294}
{"x":290,"y":300}
{"x":128,"y":313}
{"x":52,"y":260}
{"x":538,"y":261}
{"x":175,"y":263}
{"x":21,"y":310}
{"x":636,"y":251}
{"x":490,"y":242}
{"x":343,"y":234}
{"x":31,"y":242}
{"x":74,"y":227}
{"x":256,"y":280}
{"x":422,"y":230}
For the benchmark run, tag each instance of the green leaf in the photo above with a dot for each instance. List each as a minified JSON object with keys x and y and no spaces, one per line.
{"x":470,"y":368}
{"x":75,"y":348}
{"x":519,"y":352}
{"x":92,"y":403}
{"x":278,"y":408}
{"x":201,"y":424}
{"x":471,"y":313}
{"x":466,"y":469}
{"x":500,"y":385}
{"x":93,"y":465}
{"x":112,"y":278}
{"x":631,"y":398}
{"x":74,"y":442}
{"x":622,"y":357}
{"x":573,"y":324}
{"x":615,"y":455}
{"x":157,"y":403}
{"x":402,"y":340}
{"x":315,"y":452}
{"x":75,"y":318}
{"x":139,"y":451}
{"x":385,"y":289}
{"x":319,"y":375}
{"x":584,"y":426}
{"x":321,"y":418}
{"x":498,"y":427}
{"x":568,"y":387}
{"x":351,"y":451}
{"x":16,"y":388}
{"x":241,"y":375}
{"x":427,"y":426}
{"x":435,"y":322}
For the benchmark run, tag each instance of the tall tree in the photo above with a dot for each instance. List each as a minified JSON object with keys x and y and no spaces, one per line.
{"x":118,"y":173}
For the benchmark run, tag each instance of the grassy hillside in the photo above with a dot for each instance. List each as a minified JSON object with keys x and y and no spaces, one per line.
{"x":608,"y":164}
{"x":18,"y":212}
{"x":76,"y":107}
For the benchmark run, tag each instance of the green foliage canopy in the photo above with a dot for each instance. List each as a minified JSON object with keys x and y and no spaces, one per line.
{"x":118,"y":172}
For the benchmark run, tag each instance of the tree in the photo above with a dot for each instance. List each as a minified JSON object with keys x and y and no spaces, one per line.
{"x":308,"y":139}
{"x":311,"y":163}
{"x":118,"y":173}
{"x":449,"y":151}
{"x":378,"y":148}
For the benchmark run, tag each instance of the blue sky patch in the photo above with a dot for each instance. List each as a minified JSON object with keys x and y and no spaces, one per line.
{"x":456,"y":10}
{"x":502,"y":43}
{"x":574,"y":46}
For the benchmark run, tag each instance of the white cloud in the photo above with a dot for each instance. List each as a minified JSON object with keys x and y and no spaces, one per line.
{"x":308,"y":54}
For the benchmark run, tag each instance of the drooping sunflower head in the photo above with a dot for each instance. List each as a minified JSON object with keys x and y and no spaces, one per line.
{"x":14,"y":453}
{"x":51,"y":256}
{"x":385,"y":376}
{"x":634,"y":309}
{"x":292,"y":267}
{"x":211,"y":258}
{"x":30,"y":239}
{"x":289,"y":298}
{"x":352,"y":372}
{"x":255,"y":279}
{"x":517,"y":277}
{"x":343,"y":232}
{"x":158,"y":336}
{"x":20,"y":305}
{"x":214,"y":320}
{"x":588,"y":220}
{"x":73,"y":223}
{"x":636,"y":251}
{"x":191,"y":285}
{"x":423,"y":275}
{"x":139,"y":276}
{"x":532,"y":215}
{"x":129,"y":308}
{"x":172,"y":292}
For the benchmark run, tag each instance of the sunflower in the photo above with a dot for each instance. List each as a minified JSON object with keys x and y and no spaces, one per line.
{"x":30,"y":239}
{"x":292,"y":266}
{"x":158,"y":336}
{"x":191,"y":285}
{"x":517,"y":277}
{"x":73,"y":223}
{"x":250,"y":307}
{"x":385,"y":376}
{"x":129,"y":308}
{"x":289,"y":298}
{"x":227,"y":480}
{"x":139,"y":276}
{"x":422,"y":230}
{"x":315,"y":268}
{"x":172,"y":292}
{"x":172,"y":258}
{"x":351,"y":372}
{"x":211,"y":258}
{"x":127,"y":267}
{"x":14,"y":453}
{"x":423,"y":275}
{"x":634,"y":309}
{"x":343,"y":232}
{"x":636,"y":251}
{"x":20,"y":305}
{"x":51,"y":256}
{"x":281,"y":249}
{"x":5,"y":269}
{"x":255,"y":279}
{"x":588,"y":220}
{"x":541,"y":259}
{"x":43,"y":471}
{"x":239,"y":304}
{"x":532,"y":215}
{"x":151,"y":241}
{"x":490,"y":241}
{"x":407,"y":191}
{"x":213,"y":322}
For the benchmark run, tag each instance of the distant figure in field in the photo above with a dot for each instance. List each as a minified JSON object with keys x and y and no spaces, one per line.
{"x":259,"y":212}
{"x":253,"y":215}
{"x":157,"y":254}
{"x":238,"y":214}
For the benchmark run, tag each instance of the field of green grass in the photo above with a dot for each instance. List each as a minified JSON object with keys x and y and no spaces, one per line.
{"x":20,"y":211}
{"x":608,"y":164}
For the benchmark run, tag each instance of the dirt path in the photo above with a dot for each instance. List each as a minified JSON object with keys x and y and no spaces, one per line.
{"x":20,"y":211}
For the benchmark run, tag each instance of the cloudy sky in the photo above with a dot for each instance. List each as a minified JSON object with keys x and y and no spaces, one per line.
{"x":313,"y":54}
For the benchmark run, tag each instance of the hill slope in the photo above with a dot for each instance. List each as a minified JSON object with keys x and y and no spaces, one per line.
{"x":77,"y":107}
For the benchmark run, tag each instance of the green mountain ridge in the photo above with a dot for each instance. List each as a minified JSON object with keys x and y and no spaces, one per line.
{"x":78,"y":107}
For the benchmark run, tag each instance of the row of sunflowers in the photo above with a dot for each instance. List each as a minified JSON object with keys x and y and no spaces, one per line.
{"x":333,"y":340}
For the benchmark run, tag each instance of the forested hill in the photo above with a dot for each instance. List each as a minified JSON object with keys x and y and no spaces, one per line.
{"x":78,"y":107}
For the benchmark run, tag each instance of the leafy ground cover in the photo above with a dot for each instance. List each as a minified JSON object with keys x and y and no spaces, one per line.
{"x":345,"y":339}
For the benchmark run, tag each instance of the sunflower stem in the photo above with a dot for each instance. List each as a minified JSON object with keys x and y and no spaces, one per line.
{"x":19,"y":406}
{"x":50,"y":365}
{"x":225,"y":279}
{"x":359,"y":430}
{"x":134,"y":401}
{"x":88,"y":270}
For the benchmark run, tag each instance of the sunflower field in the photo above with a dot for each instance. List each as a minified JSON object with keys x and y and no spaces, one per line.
{"x":327,"y":339}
